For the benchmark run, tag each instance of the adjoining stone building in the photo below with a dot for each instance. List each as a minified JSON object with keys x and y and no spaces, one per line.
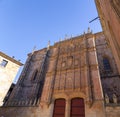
{"x":76,"y":77}
{"x":8,"y":70}
{"x":109,"y":13}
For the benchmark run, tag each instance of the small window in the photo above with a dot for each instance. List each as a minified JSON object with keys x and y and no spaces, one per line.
{"x":3,"y":63}
{"x":106,"y":64}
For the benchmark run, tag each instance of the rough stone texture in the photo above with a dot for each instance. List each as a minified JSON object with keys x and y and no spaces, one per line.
{"x":7,"y":74}
{"x":110,"y":79}
{"x":68,"y":69}
{"x":113,"y":111}
{"x":109,"y":13}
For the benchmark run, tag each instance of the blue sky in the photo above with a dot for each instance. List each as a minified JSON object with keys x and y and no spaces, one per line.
{"x":28,"y":23}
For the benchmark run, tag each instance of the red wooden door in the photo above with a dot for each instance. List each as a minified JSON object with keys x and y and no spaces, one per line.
{"x":59,"y":108}
{"x":77,"y":107}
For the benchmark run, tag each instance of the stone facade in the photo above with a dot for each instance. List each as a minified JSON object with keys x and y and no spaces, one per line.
{"x":81,"y":68}
{"x":109,"y":13}
{"x":8,"y":70}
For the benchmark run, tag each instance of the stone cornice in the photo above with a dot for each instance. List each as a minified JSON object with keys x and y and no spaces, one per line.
{"x":10,"y":59}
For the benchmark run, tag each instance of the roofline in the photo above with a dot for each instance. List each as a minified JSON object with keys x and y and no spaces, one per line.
{"x":10,"y":58}
{"x":79,"y":36}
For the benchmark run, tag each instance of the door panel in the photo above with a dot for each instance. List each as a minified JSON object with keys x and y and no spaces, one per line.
{"x":77,"y":107}
{"x":59,"y":108}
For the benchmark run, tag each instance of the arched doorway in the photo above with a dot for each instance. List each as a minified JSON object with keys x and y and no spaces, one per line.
{"x":77,"y":107}
{"x":59,"y":108}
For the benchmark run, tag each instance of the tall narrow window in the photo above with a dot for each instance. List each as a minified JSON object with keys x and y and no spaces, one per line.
{"x":77,"y":107}
{"x":34,"y":75}
{"x":59,"y":108}
{"x":3,"y":63}
{"x":106,"y":64}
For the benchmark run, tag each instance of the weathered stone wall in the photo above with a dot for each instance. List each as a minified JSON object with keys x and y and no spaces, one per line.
{"x":47,"y":110}
{"x":73,"y":72}
{"x":113,"y":111}
{"x":110,"y":79}
{"x":27,"y":91}
{"x":109,"y":13}
{"x":26,"y":111}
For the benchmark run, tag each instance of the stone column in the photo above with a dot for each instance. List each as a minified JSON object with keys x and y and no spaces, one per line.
{"x":52,"y":108}
{"x":68,"y":108}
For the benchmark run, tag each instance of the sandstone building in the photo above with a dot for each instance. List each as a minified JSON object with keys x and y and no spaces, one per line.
{"x":76,"y":77}
{"x":8,"y":70}
{"x":109,"y":13}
